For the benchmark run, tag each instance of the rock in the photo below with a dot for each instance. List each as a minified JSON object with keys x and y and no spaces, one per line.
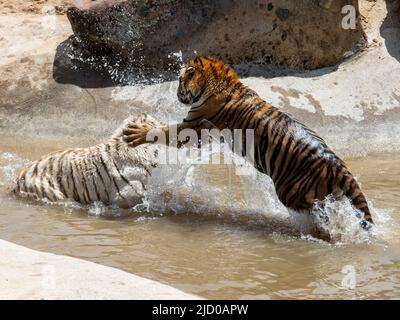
{"x":30,"y":274}
{"x":159,"y":33}
{"x":33,"y":103}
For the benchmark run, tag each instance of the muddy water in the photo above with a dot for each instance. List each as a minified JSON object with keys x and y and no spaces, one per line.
{"x":219,"y":236}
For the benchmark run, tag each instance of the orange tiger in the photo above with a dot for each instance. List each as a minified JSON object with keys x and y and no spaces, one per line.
{"x":303,"y":168}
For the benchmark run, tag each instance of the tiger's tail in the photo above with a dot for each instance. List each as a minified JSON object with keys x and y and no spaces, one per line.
{"x":353,"y":191}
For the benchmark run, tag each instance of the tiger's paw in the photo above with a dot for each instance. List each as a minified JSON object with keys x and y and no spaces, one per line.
{"x":135,"y":133}
{"x":366,"y":225}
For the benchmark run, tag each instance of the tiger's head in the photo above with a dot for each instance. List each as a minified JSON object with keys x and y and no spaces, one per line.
{"x":202,"y":77}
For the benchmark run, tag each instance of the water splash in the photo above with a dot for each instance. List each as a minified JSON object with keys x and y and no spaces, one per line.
{"x":187,"y":189}
{"x":10,"y":164}
{"x":198,"y":189}
{"x":114,"y":67}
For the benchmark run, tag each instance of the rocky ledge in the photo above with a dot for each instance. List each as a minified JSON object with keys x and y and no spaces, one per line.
{"x":159,"y":33}
{"x":30,"y":274}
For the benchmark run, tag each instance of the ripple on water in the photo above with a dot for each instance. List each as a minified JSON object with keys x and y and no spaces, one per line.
{"x":214,"y":191}
{"x":196,"y":233}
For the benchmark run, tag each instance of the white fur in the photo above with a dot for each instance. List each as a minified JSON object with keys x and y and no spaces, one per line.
{"x":111,"y":172}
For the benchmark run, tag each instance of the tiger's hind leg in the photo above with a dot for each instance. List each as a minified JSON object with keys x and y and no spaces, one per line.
{"x":321,"y":220}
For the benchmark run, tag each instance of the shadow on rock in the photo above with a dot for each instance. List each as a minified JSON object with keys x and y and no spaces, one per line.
{"x":70,"y":68}
{"x":390,"y":28}
{"x":85,"y":67}
{"x":269,"y":71}
{"x":99,"y":67}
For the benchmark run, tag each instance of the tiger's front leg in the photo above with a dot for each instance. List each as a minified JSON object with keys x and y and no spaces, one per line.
{"x":136,"y":134}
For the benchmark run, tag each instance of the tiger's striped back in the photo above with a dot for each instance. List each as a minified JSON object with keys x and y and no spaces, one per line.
{"x":110,"y":172}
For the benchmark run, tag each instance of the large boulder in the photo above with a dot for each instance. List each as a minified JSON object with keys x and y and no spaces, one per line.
{"x":158,"y":33}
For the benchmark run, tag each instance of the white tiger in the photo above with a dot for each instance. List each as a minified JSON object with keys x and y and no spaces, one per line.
{"x":112,"y":172}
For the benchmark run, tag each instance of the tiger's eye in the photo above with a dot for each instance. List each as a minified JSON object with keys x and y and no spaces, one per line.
{"x":190,"y":71}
